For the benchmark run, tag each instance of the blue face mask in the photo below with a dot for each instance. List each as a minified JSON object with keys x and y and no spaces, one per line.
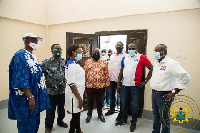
{"x":78,"y":57}
{"x":131,"y":52}
{"x":157,"y":55}
{"x":103,"y":57}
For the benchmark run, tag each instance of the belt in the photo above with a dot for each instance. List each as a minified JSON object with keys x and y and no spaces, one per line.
{"x":95,"y":88}
{"x":165,"y":92}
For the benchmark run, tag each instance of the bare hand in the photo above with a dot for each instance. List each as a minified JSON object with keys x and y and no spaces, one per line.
{"x":141,"y":84}
{"x":80,"y":104}
{"x":169,"y":96}
{"x":118,"y":88}
{"x":31,"y":104}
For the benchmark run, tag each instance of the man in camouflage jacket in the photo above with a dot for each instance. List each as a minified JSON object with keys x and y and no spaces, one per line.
{"x":54,"y":72}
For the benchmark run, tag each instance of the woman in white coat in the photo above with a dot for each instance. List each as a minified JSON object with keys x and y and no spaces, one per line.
{"x":75,"y":76}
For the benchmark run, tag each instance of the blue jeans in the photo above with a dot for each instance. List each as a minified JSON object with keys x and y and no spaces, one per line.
{"x":117,"y":99}
{"x":106,"y":98}
{"x":114,"y":97}
{"x":160,"y":111}
{"x":130,"y":93}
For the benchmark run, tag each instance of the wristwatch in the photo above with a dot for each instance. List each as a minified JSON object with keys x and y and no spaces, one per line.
{"x":173,"y":91}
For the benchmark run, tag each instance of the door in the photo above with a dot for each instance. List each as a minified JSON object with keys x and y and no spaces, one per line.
{"x":86,"y":41}
{"x":139,"y":37}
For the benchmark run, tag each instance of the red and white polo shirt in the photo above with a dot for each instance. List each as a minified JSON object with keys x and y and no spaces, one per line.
{"x":132,"y":68}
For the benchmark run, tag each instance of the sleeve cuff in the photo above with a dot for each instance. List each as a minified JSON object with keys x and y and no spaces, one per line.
{"x":71,"y":84}
{"x":180,"y":86}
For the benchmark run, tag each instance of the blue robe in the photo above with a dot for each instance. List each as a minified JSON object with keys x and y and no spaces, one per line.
{"x":25,"y":72}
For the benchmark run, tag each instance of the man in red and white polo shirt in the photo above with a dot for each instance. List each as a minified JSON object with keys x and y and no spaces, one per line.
{"x":131,"y":72}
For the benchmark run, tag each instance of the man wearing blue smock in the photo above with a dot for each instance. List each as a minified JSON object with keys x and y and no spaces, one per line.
{"x":27,"y":90}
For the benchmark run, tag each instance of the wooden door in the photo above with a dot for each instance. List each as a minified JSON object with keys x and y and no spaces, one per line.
{"x":86,"y":41}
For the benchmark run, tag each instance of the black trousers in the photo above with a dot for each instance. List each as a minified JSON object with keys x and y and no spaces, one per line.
{"x":59,"y":102}
{"x":75,"y":123}
{"x":91,"y":94}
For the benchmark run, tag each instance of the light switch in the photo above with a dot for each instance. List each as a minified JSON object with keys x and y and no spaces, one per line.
{"x":184,"y":55}
{"x":178,"y":55}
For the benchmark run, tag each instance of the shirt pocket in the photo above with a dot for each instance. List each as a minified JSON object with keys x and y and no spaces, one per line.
{"x":52,"y":70}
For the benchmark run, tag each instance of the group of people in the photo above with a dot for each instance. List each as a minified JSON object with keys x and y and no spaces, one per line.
{"x":65,"y":81}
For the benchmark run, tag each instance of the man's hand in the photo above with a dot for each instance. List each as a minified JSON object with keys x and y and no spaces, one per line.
{"x":141,"y":84}
{"x":48,"y":84}
{"x":118,"y":88}
{"x":169,"y":96}
{"x":31,"y":104}
{"x":80,"y":104}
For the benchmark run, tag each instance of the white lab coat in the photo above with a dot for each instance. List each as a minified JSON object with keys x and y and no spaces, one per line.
{"x":74,"y":74}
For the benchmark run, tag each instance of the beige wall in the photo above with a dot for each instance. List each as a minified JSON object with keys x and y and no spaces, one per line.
{"x":33,"y":11}
{"x":11,"y":34}
{"x":47,"y":12}
{"x":64,"y":11}
{"x":179,"y":30}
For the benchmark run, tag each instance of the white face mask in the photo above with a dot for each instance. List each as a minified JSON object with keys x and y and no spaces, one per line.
{"x":34,"y":45}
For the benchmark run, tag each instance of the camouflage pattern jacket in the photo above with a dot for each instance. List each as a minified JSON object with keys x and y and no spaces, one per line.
{"x":54,"y":73}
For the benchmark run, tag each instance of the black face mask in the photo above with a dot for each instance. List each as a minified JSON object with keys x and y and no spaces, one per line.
{"x":96,"y":56}
{"x":109,"y":54}
{"x":119,"y":49}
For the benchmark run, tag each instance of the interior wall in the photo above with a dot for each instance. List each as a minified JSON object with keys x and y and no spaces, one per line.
{"x":179,"y":30}
{"x":33,"y":11}
{"x":47,"y":12}
{"x":11,"y":34}
{"x":65,"y":11}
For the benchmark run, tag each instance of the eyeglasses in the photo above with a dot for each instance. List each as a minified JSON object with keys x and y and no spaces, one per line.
{"x":131,"y":48}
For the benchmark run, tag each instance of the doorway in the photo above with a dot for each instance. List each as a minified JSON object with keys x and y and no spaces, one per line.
{"x":138,"y":36}
{"x":108,"y":42}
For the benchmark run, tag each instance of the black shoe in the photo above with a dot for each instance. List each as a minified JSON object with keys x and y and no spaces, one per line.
{"x":63,"y":125}
{"x":119,"y":123}
{"x":88,"y":119}
{"x":119,"y":117}
{"x":102,"y":118}
{"x":109,"y":113}
{"x":132,"y":128}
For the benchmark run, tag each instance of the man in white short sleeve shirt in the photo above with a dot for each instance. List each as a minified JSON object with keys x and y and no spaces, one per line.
{"x":168,"y":78}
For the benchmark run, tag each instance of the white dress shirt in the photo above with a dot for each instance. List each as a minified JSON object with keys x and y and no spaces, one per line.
{"x":168,"y":75}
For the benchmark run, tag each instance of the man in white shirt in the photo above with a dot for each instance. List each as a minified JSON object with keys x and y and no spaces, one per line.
{"x":168,"y":79}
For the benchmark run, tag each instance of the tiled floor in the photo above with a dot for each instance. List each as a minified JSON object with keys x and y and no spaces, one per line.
{"x":95,"y":126}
